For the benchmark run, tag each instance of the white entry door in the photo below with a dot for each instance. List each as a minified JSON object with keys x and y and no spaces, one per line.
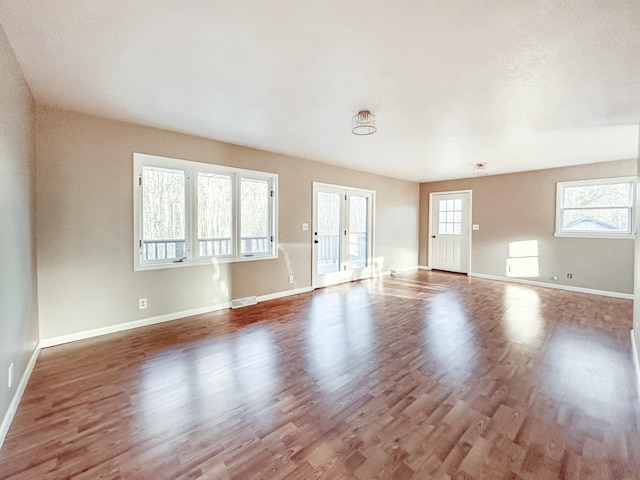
{"x":342,"y":240}
{"x":450,"y":234}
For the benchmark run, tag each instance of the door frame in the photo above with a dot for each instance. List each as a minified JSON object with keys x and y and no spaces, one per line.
{"x":469,"y":230}
{"x":372,"y":239}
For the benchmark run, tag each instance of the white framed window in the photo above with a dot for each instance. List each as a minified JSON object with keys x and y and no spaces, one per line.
{"x":188,"y":213}
{"x":600,"y":208}
{"x":450,"y":219}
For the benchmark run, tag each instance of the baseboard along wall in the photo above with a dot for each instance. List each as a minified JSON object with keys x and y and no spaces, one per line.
{"x":606,"y":293}
{"x":15,"y":401}
{"x":73,"y":337}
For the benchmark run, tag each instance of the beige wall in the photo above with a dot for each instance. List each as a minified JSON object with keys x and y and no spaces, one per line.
{"x":85,"y":224}
{"x":18,"y":293}
{"x":521,"y":206}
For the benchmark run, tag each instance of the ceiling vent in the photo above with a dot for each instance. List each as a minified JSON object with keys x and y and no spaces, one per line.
{"x":480,"y":169}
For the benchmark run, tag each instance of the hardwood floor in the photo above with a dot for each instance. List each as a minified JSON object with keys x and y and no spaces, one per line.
{"x":425,"y":375}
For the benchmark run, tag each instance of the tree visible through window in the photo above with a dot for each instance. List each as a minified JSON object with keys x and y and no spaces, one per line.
{"x":191,"y":212}
{"x":214,"y":214}
{"x":358,"y":237}
{"x":163,"y":204}
{"x":254,"y":216}
{"x":596,"y":207}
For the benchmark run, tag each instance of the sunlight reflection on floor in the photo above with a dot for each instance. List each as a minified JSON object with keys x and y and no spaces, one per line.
{"x":241,"y":372}
{"x":522,"y":316}
{"x":449,"y":335}
{"x":340,"y":338}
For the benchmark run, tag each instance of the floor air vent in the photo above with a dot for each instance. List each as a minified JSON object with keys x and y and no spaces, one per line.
{"x":243,"y":302}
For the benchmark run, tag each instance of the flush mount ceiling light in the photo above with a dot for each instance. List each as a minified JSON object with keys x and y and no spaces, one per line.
{"x":480,"y":169}
{"x":364,"y":123}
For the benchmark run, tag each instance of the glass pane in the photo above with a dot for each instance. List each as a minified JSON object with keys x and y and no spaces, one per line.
{"x":358,"y":239}
{"x":328,"y":257}
{"x":449,"y":228}
{"x":163,"y":214}
{"x":450,"y":205}
{"x":214,"y":215}
{"x":443,"y":216}
{"x":443,"y":206}
{"x":442,"y":228}
{"x":613,"y":220}
{"x":457,"y":229}
{"x":457,"y":217}
{"x":611,"y":195}
{"x":458,"y":204}
{"x":255,"y":231}
{"x":449,"y":216}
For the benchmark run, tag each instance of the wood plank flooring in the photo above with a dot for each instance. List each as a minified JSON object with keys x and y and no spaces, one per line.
{"x":424,"y":375}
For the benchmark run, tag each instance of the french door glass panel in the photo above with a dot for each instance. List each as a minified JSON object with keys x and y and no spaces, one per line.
{"x":358,"y":232}
{"x":342,"y":236}
{"x":329,"y":216}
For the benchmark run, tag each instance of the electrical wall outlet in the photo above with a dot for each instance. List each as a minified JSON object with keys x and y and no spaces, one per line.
{"x":290,"y":278}
{"x":142,"y":303}
{"x":10,"y":375}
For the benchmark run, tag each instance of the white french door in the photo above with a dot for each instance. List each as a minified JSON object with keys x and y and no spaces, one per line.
{"x":342,"y":234}
{"x":450,"y":235}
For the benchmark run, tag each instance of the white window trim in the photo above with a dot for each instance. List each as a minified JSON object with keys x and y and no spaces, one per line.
{"x":191,"y":170}
{"x":631,"y":234}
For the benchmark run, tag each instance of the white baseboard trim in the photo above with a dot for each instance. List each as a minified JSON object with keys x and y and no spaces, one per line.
{"x":424,"y":267}
{"x":605,"y":293}
{"x":286,"y":293}
{"x":13,"y":406}
{"x":74,"y":337}
{"x":636,"y":359}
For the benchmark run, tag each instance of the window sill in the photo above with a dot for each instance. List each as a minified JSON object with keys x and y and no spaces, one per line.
{"x":621,"y":236}
{"x":201,"y":262}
